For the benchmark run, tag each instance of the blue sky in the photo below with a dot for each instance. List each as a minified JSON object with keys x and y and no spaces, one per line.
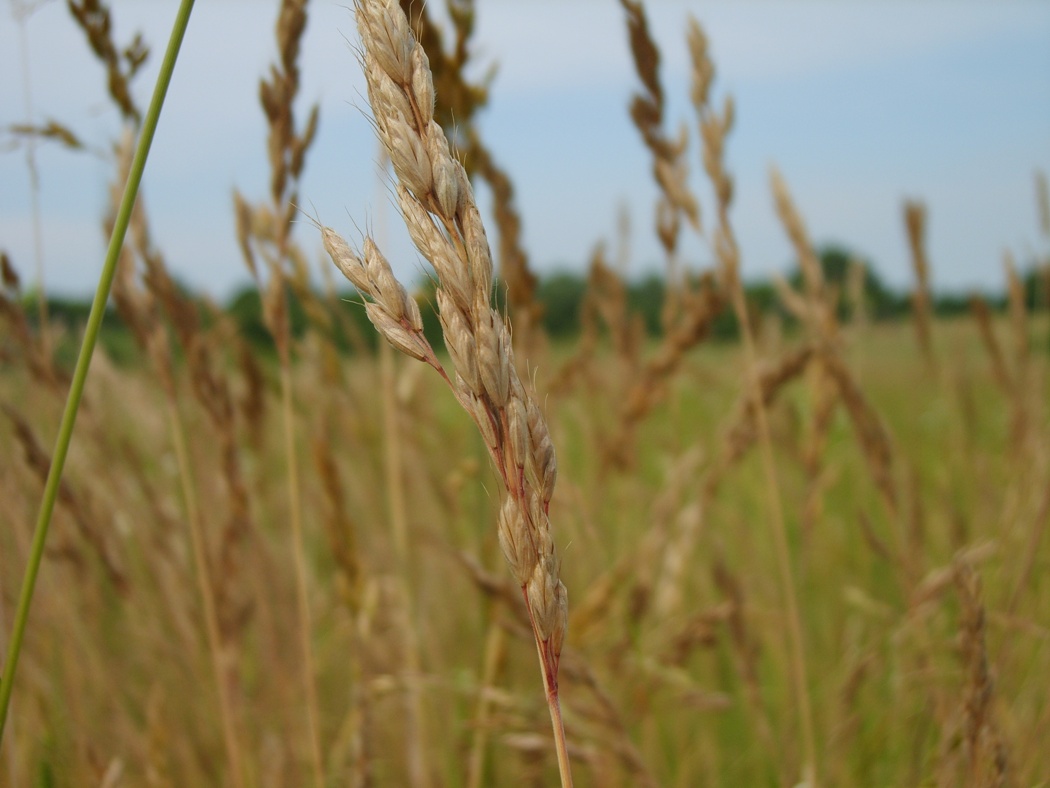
{"x":860,"y":104}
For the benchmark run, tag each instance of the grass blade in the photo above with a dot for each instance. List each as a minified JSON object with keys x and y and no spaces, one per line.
{"x":87,"y":348}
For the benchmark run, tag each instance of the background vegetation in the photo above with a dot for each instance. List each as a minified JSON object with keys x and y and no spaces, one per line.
{"x":275,"y":559}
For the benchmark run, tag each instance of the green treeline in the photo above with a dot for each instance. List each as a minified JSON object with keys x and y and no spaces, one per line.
{"x":562,"y":296}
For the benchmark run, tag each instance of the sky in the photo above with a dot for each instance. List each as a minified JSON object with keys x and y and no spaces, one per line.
{"x":860,"y":104}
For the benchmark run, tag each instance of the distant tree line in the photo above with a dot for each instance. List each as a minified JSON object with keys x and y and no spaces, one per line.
{"x":562,"y":295}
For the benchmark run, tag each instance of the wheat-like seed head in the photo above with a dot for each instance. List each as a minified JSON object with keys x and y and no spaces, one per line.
{"x":442,"y":218}
{"x":915,"y":223}
{"x":670,"y":170}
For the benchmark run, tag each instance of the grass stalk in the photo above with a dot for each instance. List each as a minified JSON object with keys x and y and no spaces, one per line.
{"x":21,"y":12}
{"x":302,"y":598}
{"x":415,"y":738}
{"x":783,"y":554}
{"x":550,"y":682}
{"x":207,"y":592}
{"x":494,"y":647}
{"x":714,"y":127}
{"x":438,"y":206}
{"x":91,"y":332}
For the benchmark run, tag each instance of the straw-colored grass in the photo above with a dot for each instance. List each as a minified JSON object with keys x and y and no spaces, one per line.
{"x":812,"y":555}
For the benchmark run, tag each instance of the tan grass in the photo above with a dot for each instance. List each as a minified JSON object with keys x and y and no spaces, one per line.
{"x":714,"y":128}
{"x":983,"y":317}
{"x":987,"y":761}
{"x":670,"y":168}
{"x":140,"y":308}
{"x":921,"y":618}
{"x":121,"y":63}
{"x":265,"y":233}
{"x":33,"y":352}
{"x":915,"y":224}
{"x":439,"y":209}
{"x":741,"y":433}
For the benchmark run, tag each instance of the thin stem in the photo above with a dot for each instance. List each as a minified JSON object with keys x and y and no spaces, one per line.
{"x":493,"y":653}
{"x":415,"y":738}
{"x":548,"y":666}
{"x":549,"y":670}
{"x":564,"y":769}
{"x":206,"y":590}
{"x":94,"y":323}
{"x":305,"y":622}
{"x":558,"y":727}
{"x":787,"y":579}
{"x":21,"y":13}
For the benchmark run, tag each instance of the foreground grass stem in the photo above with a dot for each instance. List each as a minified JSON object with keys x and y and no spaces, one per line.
{"x":76,"y":389}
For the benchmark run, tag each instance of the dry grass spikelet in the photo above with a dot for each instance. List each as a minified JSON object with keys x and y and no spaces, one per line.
{"x":714,"y":131}
{"x":339,"y":525}
{"x":871,"y":433}
{"x":275,"y":314}
{"x":456,"y":102}
{"x":703,"y":73}
{"x":442,"y":217}
{"x":94,"y":19}
{"x":647,"y":111}
{"x":52,"y":130}
{"x":252,"y":401}
{"x":77,"y":503}
{"x":915,"y":223}
{"x":646,"y":57}
{"x":796,"y":304}
{"x":818,"y":313}
{"x":714,"y":126}
{"x":286,"y":146}
{"x":243,"y":221}
{"x":24,"y":340}
{"x":812,"y":274}
{"x":987,"y":760}
{"x":8,"y":275}
{"x":606,"y":297}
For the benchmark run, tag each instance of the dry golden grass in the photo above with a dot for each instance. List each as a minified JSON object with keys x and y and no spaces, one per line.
{"x":791,"y":559}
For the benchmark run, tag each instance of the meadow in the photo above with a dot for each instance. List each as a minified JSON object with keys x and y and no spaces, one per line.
{"x":812,"y":552}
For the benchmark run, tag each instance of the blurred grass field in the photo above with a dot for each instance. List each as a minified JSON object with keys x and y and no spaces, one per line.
{"x":657,"y":675}
{"x":176,"y":638}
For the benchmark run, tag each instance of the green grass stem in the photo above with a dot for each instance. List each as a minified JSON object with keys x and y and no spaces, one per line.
{"x":87,"y":348}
